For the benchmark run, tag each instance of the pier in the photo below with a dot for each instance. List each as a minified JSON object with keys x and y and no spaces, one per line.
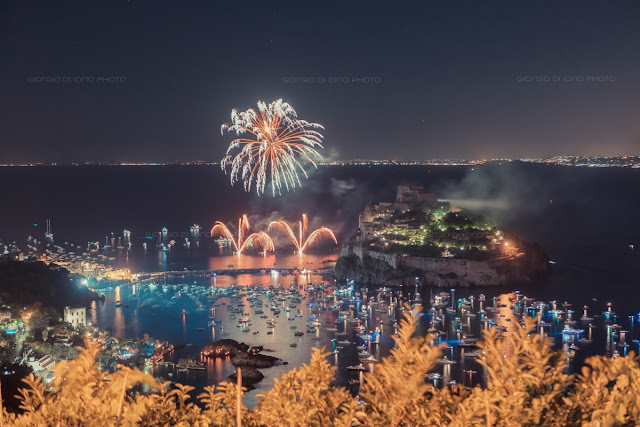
{"x":181,"y":274}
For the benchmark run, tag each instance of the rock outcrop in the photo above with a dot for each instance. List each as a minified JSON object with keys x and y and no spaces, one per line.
{"x":241,"y":354}
{"x":375,"y":269}
{"x":256,"y":360}
{"x":224,"y":348}
{"x":250,"y":376}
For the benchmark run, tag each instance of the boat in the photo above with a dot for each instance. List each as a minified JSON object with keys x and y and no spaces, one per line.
{"x":191,"y":364}
{"x":293,"y":345}
{"x":298,"y":333}
{"x":359,"y":367}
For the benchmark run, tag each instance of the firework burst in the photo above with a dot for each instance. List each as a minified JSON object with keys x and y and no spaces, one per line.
{"x":261,"y":238}
{"x":300,"y":243}
{"x":273,"y":145}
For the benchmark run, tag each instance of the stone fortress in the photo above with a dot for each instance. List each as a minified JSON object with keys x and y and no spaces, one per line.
{"x":437,"y":271}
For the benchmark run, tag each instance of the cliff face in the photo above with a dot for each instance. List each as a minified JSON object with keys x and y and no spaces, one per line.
{"x":372,"y":267}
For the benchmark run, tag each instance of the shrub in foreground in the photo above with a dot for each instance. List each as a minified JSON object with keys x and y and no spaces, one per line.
{"x":526,"y":384}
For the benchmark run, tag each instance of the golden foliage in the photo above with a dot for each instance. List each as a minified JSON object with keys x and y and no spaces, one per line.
{"x":395,"y":394}
{"x":526,"y":384}
{"x":304,"y":397}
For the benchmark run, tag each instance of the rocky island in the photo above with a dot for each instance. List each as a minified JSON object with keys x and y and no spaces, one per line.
{"x":244,"y":356}
{"x":419,"y":237}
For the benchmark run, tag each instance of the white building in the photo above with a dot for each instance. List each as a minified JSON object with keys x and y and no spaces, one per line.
{"x":75,"y":316}
{"x":41,"y":363}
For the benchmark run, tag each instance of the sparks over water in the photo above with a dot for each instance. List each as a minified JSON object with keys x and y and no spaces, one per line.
{"x":303,"y":225}
{"x":275,"y":146}
{"x":261,"y":238}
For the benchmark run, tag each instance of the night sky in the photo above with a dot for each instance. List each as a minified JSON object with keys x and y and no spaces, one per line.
{"x":414,"y":80}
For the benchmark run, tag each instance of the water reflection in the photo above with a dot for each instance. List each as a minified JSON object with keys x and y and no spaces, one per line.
{"x":118,"y":318}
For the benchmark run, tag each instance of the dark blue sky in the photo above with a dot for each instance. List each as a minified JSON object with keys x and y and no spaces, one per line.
{"x":447,"y":77}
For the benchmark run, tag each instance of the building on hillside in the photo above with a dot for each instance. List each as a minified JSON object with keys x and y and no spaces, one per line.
{"x":75,"y":316}
{"x":41,"y":364}
{"x":376,"y":217}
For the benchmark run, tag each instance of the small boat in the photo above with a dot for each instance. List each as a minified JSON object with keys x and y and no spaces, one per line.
{"x":359,"y":367}
{"x":298,"y":333}
{"x":293,"y":345}
{"x":200,"y":329}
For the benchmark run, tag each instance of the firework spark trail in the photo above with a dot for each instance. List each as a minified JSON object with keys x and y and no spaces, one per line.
{"x":261,"y":238}
{"x":284,"y":227}
{"x":276,"y":145}
{"x":220,"y":228}
{"x":300,"y":243}
{"x":305,"y":223}
{"x":318,"y":234}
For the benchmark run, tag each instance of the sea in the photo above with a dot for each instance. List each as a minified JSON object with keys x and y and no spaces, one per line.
{"x":585,"y":218}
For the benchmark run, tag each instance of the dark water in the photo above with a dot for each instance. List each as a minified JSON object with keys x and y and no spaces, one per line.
{"x":585,"y":218}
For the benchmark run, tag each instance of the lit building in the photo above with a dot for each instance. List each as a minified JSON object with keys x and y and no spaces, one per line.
{"x":75,"y":316}
{"x":41,"y":363}
{"x":378,"y":216}
{"x":127,"y":236}
{"x":195,"y":231}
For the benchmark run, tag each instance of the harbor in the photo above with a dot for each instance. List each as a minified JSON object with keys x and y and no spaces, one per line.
{"x":285,"y":317}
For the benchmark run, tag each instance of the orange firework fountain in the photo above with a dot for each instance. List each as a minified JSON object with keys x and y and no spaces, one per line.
{"x":261,"y":238}
{"x":299,"y":242}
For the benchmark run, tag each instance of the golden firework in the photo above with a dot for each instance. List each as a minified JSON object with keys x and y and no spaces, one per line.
{"x":299,"y":242}
{"x":261,"y":238}
{"x":274,"y":146}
